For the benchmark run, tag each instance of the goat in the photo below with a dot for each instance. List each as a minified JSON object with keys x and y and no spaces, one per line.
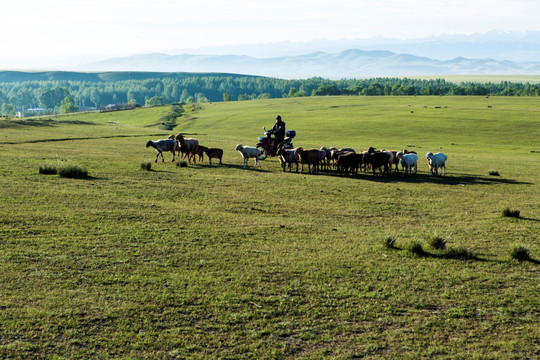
{"x":435,"y":162}
{"x":408,"y":162}
{"x":310,"y":157}
{"x":187,"y":146}
{"x":214,"y":153}
{"x":163,"y":145}
{"x":248,"y":152}
{"x":288,"y":156}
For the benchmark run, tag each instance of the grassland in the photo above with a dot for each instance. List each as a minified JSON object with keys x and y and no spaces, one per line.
{"x":531,"y":79}
{"x":220,"y":262}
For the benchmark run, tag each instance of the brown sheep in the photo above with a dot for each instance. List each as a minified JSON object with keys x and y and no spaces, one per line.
{"x":288,"y":156}
{"x":214,"y":153}
{"x":188,"y":146}
{"x":349,"y":162}
{"x":310,"y":157}
{"x":201,"y":150}
{"x":377,"y":160}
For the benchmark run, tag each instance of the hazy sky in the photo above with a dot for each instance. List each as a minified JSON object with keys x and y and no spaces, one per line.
{"x":61,"y":27}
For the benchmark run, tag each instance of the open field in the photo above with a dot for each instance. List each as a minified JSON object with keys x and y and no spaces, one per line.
{"x":531,"y":79}
{"x":221,"y":262}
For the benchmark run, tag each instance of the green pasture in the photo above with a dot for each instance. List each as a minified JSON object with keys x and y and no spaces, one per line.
{"x":207,"y":262}
{"x":457,"y":79}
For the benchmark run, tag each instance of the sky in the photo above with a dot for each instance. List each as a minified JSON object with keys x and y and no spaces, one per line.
{"x":61,"y":28}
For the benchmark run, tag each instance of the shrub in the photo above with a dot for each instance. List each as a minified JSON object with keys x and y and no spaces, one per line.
{"x":437,"y":242}
{"x":72,"y":171}
{"x":48,"y":169}
{"x":147,"y":165}
{"x":520,"y":253}
{"x":510,"y":213}
{"x":390,"y":242}
{"x":494,"y":173}
{"x":182,"y":163}
{"x":415,"y":248}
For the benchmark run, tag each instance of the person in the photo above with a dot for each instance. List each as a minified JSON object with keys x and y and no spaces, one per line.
{"x":279,"y":131}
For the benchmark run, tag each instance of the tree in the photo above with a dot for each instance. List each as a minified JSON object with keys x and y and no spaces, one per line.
{"x":264,"y":96}
{"x":185,"y":96}
{"x":50,"y":98}
{"x":68,"y":105}
{"x":226,"y":97}
{"x":7,"y":109}
{"x":154,"y":101}
{"x":3,"y":98}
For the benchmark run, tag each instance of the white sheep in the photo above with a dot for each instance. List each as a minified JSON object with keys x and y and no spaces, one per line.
{"x":248,"y":152}
{"x":163,"y":145}
{"x":436,"y":161}
{"x":409,"y":162}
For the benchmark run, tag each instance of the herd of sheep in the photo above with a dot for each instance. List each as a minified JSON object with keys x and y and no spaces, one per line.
{"x":345,"y":161}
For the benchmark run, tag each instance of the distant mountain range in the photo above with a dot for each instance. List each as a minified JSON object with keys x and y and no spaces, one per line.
{"x":498,"y":45}
{"x":492,"y":53}
{"x":351,"y":63}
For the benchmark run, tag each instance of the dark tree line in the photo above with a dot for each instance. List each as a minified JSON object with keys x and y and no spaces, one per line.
{"x":109,"y":88}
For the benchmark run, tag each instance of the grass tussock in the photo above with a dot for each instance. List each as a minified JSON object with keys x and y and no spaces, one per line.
{"x":389,"y":242}
{"x":48,"y":169}
{"x":72,"y":171}
{"x":494,"y":173}
{"x":415,"y":248}
{"x":146,"y":165}
{"x":460,"y":253}
{"x":519,"y":252}
{"x":182,"y":163}
{"x":510,"y":213}
{"x":437,"y":243}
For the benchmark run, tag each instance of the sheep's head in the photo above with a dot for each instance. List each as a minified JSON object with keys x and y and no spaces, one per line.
{"x":150,"y":143}
{"x":371,"y":150}
{"x":180,"y":137}
{"x":299,"y":149}
{"x":238,"y":147}
{"x":429,"y":155}
{"x":399,"y":155}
